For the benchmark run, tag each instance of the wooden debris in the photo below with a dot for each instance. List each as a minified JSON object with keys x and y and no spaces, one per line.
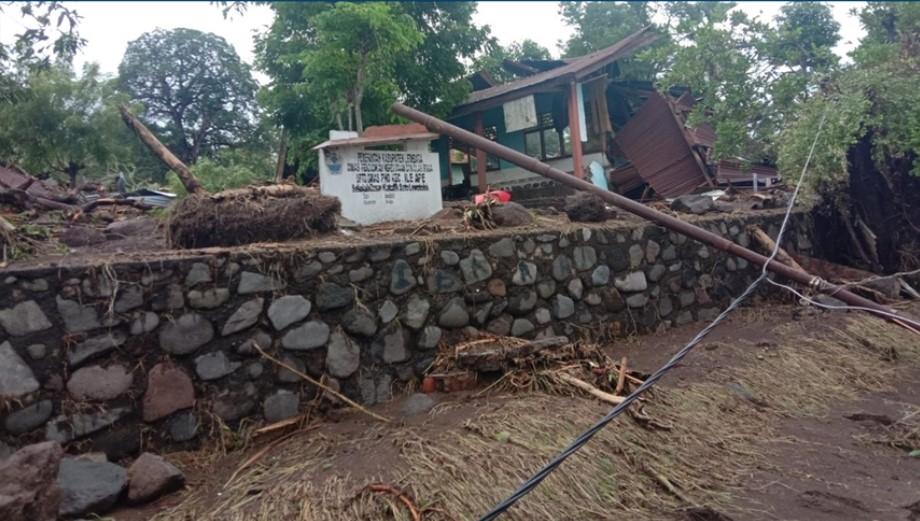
{"x":495,"y":354}
{"x":588,"y":388}
{"x":381,"y":488}
{"x":621,"y":377}
{"x":769,"y":244}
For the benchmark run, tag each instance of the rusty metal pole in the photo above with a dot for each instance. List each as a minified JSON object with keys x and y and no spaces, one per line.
{"x":673,"y":223}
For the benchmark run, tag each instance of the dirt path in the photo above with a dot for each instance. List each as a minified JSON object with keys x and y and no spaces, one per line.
{"x":780,"y":415}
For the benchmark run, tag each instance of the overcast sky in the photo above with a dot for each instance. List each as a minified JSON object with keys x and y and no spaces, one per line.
{"x":109,"y":26}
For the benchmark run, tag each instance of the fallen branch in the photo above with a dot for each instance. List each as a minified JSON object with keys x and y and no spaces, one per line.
{"x":590,"y":389}
{"x":25,"y":201}
{"x":387,"y":489}
{"x":321,"y":385}
{"x":769,"y":245}
{"x":188,"y":179}
{"x":108,"y":201}
{"x":493,"y":354}
{"x":621,"y":377}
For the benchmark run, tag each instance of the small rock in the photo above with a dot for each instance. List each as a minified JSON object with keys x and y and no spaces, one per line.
{"x":68,"y":428}
{"x":232,"y":407}
{"x":697,"y":204}
{"x":450,"y":258}
{"x":310,"y":335}
{"x":28,"y":418}
{"x":199,"y":273}
{"x":652,"y":249}
{"x":402,"y":280}
{"x":585,"y":207}
{"x":281,"y":405}
{"x":330,"y":295}
{"x":244,"y":317}
{"x":145,"y":322}
{"x":94,"y":346}
{"x":665,"y":307}
{"x":511,"y":214}
{"x":542,"y":316}
{"x":585,"y":257}
{"x":497,"y":288}
{"x":214,"y":365}
{"x":76,"y":317}
{"x":259,"y":338}
{"x":151,"y":476}
{"x":417,"y":403}
{"x":502,"y":248}
{"x":521,"y":327}
{"x":308,"y":270}
{"x":326,"y":257}
{"x":576,"y":289}
{"x":183,"y":426}
{"x":89,"y":487}
{"x":37,"y":351}
{"x":416,"y":312}
{"x":429,"y":337}
{"x":443,"y":281}
{"x":209,"y":298}
{"x":24,"y":318}
{"x":286,"y":375}
{"x":169,"y":389}
{"x":380,"y":254}
{"x":454,"y":314}
{"x":361,"y":274}
{"x":37,"y":285}
{"x":563,"y":307}
{"x":637,"y":300}
{"x":546,"y":288}
{"x":186,"y":334}
{"x":525,"y":274}
{"x":593,"y":299}
{"x":288,"y":310}
{"x":501,"y":326}
{"x":631,"y":282}
{"x":343,"y":356}
{"x":257,"y":283}
{"x":393,"y":344}
{"x":600,"y":276}
{"x":522,"y":301}
{"x":656,"y":272}
{"x":98,"y":383}
{"x":475,"y":267}
{"x":388,"y":311}
{"x":413,"y":248}
{"x":16,"y":378}
{"x":28,"y":483}
{"x":562,"y":268}
{"x":130,"y":298}
{"x":359,"y":322}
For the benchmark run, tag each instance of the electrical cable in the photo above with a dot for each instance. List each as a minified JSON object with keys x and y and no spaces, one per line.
{"x":586,"y":436}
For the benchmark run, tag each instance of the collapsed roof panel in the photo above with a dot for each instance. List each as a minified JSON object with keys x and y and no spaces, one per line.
{"x":656,"y":143}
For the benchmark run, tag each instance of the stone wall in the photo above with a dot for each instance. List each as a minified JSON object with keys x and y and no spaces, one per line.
{"x":148,"y":353}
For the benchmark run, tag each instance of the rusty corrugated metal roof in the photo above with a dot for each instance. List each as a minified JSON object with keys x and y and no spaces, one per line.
{"x":575,"y":69}
{"x":658,"y":145}
{"x":13,"y":177}
{"x":729,"y":171}
{"x":625,"y":178}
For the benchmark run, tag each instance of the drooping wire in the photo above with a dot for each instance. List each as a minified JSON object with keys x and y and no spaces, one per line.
{"x":586,"y":436}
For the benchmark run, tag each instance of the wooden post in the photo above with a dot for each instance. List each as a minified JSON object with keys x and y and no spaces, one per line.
{"x":480,"y":156}
{"x":575,"y":132}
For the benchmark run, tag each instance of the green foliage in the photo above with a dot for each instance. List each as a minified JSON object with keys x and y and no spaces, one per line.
{"x":877,"y":96}
{"x":491,"y":60}
{"x":62,"y":125}
{"x":50,"y":31}
{"x":233,"y":168}
{"x":600,"y":24}
{"x":197,"y":94}
{"x":431,"y":71}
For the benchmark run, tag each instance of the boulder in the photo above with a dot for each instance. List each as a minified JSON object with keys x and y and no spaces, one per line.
{"x":28,"y":483}
{"x":89,"y":487}
{"x":151,"y":476}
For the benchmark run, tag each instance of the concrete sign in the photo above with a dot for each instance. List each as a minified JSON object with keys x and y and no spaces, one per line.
{"x":382,"y":185}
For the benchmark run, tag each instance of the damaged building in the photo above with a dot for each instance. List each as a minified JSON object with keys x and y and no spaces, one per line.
{"x":583,"y":115}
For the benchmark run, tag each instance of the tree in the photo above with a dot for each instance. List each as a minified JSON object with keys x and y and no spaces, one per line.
{"x":491,"y":61}
{"x":196,"y":92}
{"x":354,"y":53}
{"x":62,"y":124}
{"x":431,"y":76}
{"x":601,"y":24}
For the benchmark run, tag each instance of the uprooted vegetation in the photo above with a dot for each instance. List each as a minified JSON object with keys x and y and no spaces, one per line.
{"x":708,"y":434}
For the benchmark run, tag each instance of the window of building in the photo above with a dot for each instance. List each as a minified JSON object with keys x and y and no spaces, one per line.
{"x":545,"y":141}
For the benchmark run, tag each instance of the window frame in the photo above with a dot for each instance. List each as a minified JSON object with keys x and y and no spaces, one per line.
{"x":547,"y":123}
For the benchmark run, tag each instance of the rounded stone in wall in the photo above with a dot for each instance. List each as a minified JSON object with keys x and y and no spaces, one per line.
{"x":98,"y":383}
{"x":186,"y":334}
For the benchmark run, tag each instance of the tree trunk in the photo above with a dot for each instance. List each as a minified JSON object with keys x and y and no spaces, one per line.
{"x":72,"y":170}
{"x":191,"y":184}
{"x":359,"y":97}
{"x":282,"y":156}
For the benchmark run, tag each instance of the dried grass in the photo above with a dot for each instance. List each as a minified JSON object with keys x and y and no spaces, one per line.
{"x":717,"y":432}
